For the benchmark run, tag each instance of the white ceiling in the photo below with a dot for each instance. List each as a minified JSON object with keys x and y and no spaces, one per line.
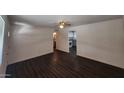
{"x":51,"y":20}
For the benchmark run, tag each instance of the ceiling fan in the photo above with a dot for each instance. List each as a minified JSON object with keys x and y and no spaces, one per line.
{"x":62,"y":24}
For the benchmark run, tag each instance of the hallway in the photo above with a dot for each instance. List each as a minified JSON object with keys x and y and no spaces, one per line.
{"x":62,"y":65}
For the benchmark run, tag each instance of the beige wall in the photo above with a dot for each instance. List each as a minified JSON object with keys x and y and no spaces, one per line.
{"x":27,"y":42}
{"x":62,"y":40}
{"x":103,"y":41}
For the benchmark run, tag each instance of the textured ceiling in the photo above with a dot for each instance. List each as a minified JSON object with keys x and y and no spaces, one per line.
{"x":51,"y":20}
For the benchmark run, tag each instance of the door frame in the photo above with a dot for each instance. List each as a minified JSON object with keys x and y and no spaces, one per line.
{"x":2,"y":45}
{"x":75,"y":42}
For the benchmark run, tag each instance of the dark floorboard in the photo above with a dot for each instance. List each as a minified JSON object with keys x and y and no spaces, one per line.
{"x":62,"y":65}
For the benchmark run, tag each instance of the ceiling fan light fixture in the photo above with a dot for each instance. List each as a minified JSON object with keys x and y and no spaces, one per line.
{"x":61,"y":26}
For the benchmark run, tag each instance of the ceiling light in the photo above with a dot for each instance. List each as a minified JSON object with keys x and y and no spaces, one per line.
{"x":61,"y":26}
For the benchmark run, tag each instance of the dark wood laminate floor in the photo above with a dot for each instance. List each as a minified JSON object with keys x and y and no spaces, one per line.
{"x":62,"y":65}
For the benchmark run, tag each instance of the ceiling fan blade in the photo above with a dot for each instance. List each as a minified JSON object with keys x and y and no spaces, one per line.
{"x":68,"y":24}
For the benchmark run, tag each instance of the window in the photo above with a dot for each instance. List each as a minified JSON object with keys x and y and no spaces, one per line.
{"x":2,"y":23}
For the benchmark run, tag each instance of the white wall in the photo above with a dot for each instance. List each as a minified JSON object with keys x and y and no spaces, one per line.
{"x":27,"y":42}
{"x":4,"y":63}
{"x":103,"y":41}
{"x":62,"y":40}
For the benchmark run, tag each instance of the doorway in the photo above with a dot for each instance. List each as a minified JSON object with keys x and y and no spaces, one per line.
{"x":54,"y":41}
{"x":72,"y":42}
